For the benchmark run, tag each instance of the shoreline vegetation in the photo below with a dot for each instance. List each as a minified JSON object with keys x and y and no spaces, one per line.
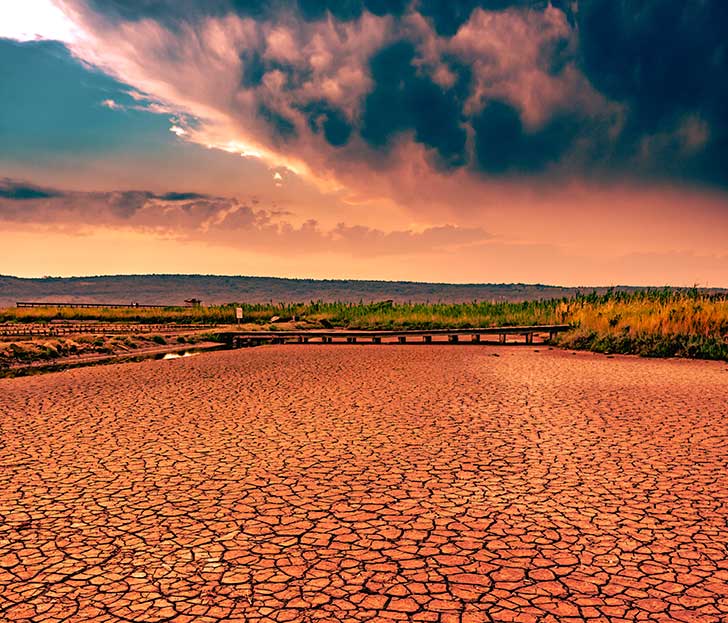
{"x":652,"y":322}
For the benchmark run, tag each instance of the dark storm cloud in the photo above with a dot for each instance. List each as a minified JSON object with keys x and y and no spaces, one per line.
{"x":667,"y":61}
{"x":323,"y":117}
{"x":595,"y":88}
{"x":177,"y":10}
{"x":504,"y":146}
{"x":123,"y":204}
{"x":281,"y":125}
{"x":447,"y":16}
{"x":172,"y":11}
{"x":403,"y":99}
{"x":20,"y":191}
{"x":172,"y":196}
{"x":347,"y":10}
{"x":223,"y":220}
{"x":24,"y":202}
{"x":254,"y":68}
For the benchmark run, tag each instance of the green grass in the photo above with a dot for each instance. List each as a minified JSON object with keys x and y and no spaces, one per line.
{"x":655,"y":323}
{"x":664,"y":322}
{"x":351,"y":315}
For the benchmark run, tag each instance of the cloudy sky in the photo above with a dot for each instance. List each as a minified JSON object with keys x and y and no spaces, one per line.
{"x":574,"y":142}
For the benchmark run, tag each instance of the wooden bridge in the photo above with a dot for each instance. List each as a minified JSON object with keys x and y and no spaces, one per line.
{"x":242,"y":339}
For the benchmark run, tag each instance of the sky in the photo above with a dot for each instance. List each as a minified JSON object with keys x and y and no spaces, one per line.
{"x":570,"y":142}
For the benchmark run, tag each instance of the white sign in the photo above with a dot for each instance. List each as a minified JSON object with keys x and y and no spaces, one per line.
{"x":239,"y":313}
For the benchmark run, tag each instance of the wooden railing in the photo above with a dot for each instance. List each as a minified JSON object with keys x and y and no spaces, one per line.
{"x":94,"y":305}
{"x":31,"y":330}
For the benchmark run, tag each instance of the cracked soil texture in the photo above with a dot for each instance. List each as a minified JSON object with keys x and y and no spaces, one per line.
{"x":367,"y":484}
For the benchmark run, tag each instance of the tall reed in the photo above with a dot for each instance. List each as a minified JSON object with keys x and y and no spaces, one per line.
{"x":654,"y":322}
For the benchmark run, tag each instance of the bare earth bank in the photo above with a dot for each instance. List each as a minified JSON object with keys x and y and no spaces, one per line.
{"x":366,"y":484}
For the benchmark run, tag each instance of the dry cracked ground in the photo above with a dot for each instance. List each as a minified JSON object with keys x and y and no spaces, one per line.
{"x":354,"y":483}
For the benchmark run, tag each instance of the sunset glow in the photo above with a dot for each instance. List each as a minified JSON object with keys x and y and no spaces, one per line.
{"x":402,"y":140}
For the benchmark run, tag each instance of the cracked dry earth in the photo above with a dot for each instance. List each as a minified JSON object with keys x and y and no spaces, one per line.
{"x":353,"y":483}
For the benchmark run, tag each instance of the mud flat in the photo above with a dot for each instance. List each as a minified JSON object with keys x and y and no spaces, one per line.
{"x":367,"y":484}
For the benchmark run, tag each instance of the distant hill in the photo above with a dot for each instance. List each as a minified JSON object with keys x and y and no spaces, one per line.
{"x":212,"y":289}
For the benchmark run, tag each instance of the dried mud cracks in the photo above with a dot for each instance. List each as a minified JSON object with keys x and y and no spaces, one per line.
{"x":353,"y":484}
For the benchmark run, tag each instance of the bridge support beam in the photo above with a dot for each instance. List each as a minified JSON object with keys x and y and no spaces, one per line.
{"x":475,"y":338}
{"x":376,"y":340}
{"x":402,"y":339}
{"x":427,"y":339}
{"x":502,"y":338}
{"x":453,"y":339}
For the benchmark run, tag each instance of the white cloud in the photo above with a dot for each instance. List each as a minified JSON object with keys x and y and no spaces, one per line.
{"x":28,"y":20}
{"x":112,"y":105}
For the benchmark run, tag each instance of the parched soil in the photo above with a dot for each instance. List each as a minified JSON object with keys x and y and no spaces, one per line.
{"x":357,"y":483}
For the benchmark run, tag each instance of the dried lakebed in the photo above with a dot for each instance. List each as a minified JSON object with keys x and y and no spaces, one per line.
{"x":367,"y":484}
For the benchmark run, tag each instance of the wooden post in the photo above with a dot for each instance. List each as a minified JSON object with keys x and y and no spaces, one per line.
{"x":427,"y":339}
{"x":351,"y":340}
{"x":402,"y":339}
{"x":475,"y":338}
{"x":529,"y":338}
{"x":376,"y":340}
{"x":502,"y":338}
{"x":453,"y":339}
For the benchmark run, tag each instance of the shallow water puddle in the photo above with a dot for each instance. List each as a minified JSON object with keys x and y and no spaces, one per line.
{"x":178,"y":356}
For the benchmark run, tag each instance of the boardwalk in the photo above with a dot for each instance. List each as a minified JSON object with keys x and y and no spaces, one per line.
{"x":367,"y":484}
{"x":239,"y":339}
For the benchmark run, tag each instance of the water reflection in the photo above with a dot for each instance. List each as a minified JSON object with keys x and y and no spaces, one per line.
{"x":179,"y":356}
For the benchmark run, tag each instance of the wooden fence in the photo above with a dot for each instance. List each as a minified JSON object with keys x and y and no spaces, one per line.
{"x":48,"y":329}
{"x":93,"y":305}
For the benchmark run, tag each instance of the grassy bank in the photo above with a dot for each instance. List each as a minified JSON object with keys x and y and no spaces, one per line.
{"x":51,"y":350}
{"x":650,"y":322}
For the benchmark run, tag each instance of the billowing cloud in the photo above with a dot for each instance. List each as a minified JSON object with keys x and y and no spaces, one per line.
{"x":348,"y":93}
{"x":215,"y":220}
{"x":578,"y":132}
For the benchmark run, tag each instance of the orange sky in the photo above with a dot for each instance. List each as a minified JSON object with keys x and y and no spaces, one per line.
{"x":147,"y":152}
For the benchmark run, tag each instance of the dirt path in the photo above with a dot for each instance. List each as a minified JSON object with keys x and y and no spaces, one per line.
{"x":367,"y":484}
